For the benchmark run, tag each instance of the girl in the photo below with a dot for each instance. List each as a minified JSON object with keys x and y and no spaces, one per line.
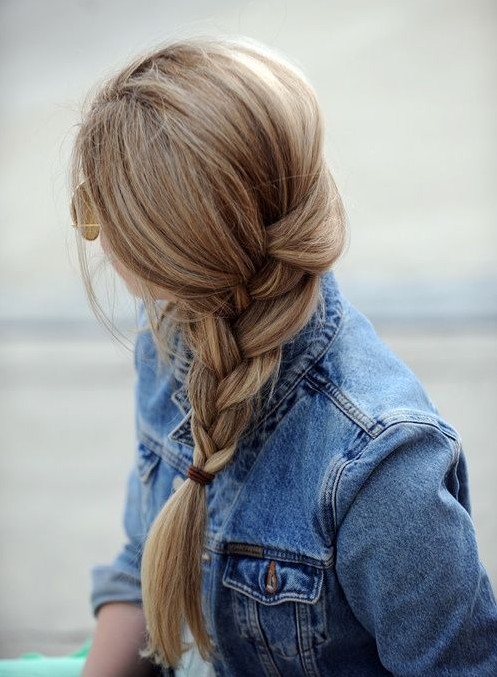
{"x":298,"y":506}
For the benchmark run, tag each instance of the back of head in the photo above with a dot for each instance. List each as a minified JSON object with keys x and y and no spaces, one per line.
{"x":203,"y":161}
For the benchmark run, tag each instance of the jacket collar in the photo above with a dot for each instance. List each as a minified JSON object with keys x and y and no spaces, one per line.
{"x":298,"y":356}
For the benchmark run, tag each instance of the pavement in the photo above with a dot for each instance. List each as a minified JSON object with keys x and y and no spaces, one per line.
{"x":67,"y":442}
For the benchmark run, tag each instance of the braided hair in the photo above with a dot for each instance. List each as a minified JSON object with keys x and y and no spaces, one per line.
{"x":204,"y":164}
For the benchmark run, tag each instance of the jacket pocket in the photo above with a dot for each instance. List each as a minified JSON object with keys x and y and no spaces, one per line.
{"x":277,"y":604}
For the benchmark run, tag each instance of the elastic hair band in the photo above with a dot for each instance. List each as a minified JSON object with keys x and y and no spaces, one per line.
{"x":200,"y":476}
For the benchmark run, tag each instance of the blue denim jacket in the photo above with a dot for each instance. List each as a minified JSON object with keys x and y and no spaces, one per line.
{"x":339,"y":540}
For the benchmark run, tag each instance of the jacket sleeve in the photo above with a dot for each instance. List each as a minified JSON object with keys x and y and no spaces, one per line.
{"x":120,"y":581}
{"x":407,"y":558}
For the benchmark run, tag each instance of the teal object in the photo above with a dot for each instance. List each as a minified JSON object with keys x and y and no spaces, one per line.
{"x":33,"y":664}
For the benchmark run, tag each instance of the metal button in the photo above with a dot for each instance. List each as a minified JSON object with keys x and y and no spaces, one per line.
{"x":205,"y":556}
{"x":271,"y":578}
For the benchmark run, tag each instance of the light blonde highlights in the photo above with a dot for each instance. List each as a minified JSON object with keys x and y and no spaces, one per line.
{"x":204,"y":164}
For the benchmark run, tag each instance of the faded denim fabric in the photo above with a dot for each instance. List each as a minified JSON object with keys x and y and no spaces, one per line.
{"x":339,"y":540}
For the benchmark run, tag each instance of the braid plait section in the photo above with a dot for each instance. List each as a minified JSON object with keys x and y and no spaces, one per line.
{"x":273,"y":279}
{"x":228,"y":371}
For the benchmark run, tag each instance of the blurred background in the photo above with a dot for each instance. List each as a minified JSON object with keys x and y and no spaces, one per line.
{"x":408,"y":92}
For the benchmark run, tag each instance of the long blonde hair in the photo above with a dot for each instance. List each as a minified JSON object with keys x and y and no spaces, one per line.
{"x":203,"y":160}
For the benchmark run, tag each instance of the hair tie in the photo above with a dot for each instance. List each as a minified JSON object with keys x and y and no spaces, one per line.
{"x":200,"y":476}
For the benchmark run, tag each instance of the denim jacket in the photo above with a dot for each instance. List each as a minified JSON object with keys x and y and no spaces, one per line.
{"x":339,"y":540}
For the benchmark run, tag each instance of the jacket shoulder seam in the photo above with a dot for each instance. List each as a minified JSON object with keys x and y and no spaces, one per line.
{"x":337,"y":466}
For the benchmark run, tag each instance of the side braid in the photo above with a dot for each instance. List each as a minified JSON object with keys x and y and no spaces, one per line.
{"x":229,"y":366}
{"x":224,"y":370}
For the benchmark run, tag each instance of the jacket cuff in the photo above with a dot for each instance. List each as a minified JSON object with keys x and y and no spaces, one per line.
{"x":113,"y":585}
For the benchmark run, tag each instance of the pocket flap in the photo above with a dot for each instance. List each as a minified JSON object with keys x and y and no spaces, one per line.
{"x":146,"y":460}
{"x":272,"y":581}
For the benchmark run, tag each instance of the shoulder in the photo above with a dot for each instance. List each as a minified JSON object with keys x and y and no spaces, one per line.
{"x":362,"y":374}
{"x":372,"y":406}
{"x":367,"y":387}
{"x":405,"y":465}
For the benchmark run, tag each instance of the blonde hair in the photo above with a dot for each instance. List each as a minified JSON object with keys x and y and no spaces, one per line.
{"x":203,"y":160}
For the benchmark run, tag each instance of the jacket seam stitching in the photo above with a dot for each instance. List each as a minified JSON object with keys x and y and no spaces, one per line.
{"x":347,"y":411}
{"x":334,"y":479}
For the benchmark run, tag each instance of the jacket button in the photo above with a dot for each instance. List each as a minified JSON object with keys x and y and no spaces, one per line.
{"x":177,"y":482}
{"x":205,"y":556}
{"x":271,"y":578}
